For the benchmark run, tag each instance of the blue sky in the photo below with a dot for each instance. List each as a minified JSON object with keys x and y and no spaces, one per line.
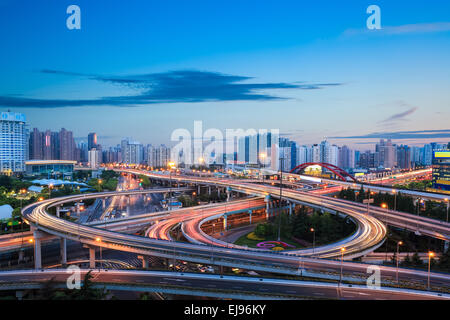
{"x":310,"y":68}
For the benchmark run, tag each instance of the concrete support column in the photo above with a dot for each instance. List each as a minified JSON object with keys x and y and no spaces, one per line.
{"x":104,"y":203}
{"x":57,"y":211}
{"x":267,"y":201}
{"x":37,"y":249}
{"x":21,"y":255}
{"x":290,"y":208}
{"x":128,"y":206}
{"x":198,"y":189}
{"x":91,"y":257}
{"x":446,"y":245}
{"x":225,"y":222}
{"x":78,"y":208}
{"x":63,"y":250}
{"x":209,"y":190}
{"x":250,"y":215}
{"x":144,"y":261}
{"x":218,"y":192}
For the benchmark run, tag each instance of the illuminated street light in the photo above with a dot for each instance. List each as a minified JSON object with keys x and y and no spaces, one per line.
{"x":395,"y":199}
{"x":314,"y":238}
{"x":398,"y":246}
{"x":98,"y":239}
{"x":446,"y":201}
{"x":430,"y":255}
{"x":50,"y":186}
{"x":342,"y":262}
{"x":171,"y":165}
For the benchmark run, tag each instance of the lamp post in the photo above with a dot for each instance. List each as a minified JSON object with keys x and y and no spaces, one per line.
{"x":281,"y":193}
{"x":446,"y":201}
{"x":385,"y":206}
{"x":171,"y":165}
{"x":342,"y":262}
{"x":50,"y":186}
{"x":395,"y":199}
{"x":98,"y":239}
{"x":314,"y":238}
{"x":398,"y":247}
{"x":430,"y":255}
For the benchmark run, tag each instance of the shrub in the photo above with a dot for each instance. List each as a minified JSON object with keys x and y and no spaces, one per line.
{"x":253,"y":236}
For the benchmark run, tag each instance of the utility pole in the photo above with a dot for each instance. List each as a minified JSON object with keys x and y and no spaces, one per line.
{"x":281,"y":193}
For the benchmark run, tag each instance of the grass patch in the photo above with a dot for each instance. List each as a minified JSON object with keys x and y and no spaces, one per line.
{"x":244,"y":241}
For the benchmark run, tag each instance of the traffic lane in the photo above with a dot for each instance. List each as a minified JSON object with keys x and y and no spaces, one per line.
{"x":255,"y":285}
{"x":66,"y":226}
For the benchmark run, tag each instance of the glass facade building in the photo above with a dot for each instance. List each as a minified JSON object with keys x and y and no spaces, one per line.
{"x":441,"y":170}
{"x":49,"y":167}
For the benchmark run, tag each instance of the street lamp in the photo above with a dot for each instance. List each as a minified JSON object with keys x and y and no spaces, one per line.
{"x":50,"y":186}
{"x":314,"y":238}
{"x":430,"y":255}
{"x":281,"y":190}
{"x":446,"y":201}
{"x":171,"y":165}
{"x":342,"y":262}
{"x":398,"y":246}
{"x":98,"y":239}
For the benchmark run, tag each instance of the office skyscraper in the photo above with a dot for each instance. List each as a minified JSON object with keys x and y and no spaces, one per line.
{"x":13,"y":142}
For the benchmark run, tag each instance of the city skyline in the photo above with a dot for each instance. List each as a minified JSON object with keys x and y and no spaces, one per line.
{"x":328,"y":75}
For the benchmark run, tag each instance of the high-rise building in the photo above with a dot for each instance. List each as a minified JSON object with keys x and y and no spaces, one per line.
{"x":301,"y":155}
{"x":67,"y":145}
{"x":403,"y":157}
{"x":132,"y":152}
{"x":94,"y":158}
{"x":158,"y":157}
{"x":35,"y":144}
{"x":441,"y":169}
{"x":92,"y":140}
{"x":84,"y":151}
{"x":316,"y":153}
{"x":387,"y":153}
{"x":346,"y":158}
{"x":13,"y":142}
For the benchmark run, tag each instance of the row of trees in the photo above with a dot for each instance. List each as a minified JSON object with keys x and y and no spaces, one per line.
{"x":414,"y":261}
{"x":401,"y":202}
{"x":415,"y":185}
{"x":108,"y":181}
{"x":12,"y":184}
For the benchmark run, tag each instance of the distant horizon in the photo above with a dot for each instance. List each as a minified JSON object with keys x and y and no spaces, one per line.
{"x":372,"y":144}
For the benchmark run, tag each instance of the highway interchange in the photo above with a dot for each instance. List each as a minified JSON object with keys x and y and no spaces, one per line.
{"x":370,"y":234}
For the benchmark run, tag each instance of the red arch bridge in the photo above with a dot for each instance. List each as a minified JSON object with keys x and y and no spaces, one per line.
{"x":341,"y":173}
